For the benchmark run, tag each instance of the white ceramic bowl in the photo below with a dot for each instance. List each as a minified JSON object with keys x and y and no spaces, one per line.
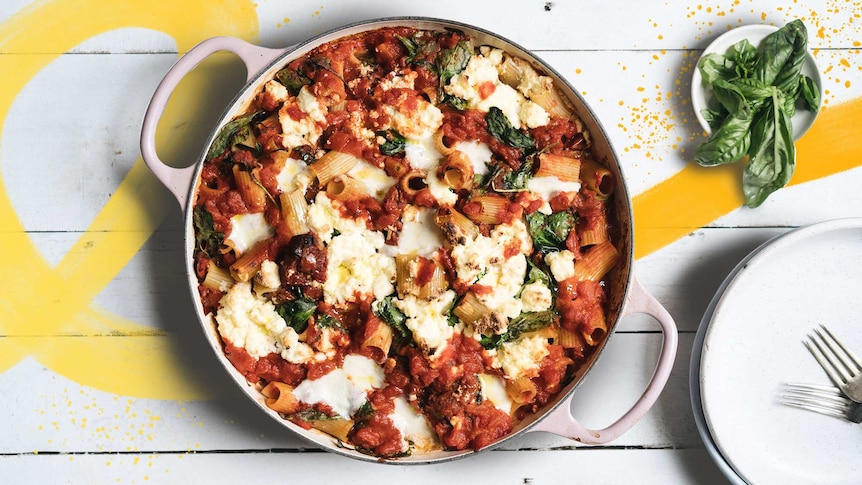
{"x":702,"y":97}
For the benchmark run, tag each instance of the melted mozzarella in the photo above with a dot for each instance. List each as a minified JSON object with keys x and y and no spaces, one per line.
{"x":294,"y":175}
{"x":422,"y":154}
{"x":248,"y":229}
{"x":374,"y":178}
{"x":413,"y":426}
{"x":549,"y":186}
{"x":419,"y":233}
{"x":478,"y":153}
{"x":494,"y":390}
{"x":346,"y":389}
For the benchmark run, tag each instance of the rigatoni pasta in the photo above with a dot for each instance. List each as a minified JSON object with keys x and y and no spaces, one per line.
{"x":380,"y":240}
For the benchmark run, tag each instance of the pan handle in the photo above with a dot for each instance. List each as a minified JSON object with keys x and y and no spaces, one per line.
{"x":562,"y":423}
{"x":255,"y":58}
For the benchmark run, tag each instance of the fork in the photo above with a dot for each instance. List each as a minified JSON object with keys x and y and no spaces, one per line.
{"x":842,"y":365}
{"x":826,"y":400}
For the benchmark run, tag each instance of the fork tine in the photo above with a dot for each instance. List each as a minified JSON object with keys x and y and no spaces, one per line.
{"x":851,"y":360}
{"x":809,"y":406}
{"x":812,"y":394}
{"x":818,"y":353}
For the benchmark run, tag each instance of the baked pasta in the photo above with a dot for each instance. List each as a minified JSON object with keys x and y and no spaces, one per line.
{"x":403,"y":241}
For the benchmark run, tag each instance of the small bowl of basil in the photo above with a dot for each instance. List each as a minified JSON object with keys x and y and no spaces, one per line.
{"x":755,"y":91}
{"x":740,"y":62}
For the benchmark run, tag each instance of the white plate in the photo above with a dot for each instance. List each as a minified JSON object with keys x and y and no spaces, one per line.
{"x":694,"y":376}
{"x":701,"y":96}
{"x":753,"y":345}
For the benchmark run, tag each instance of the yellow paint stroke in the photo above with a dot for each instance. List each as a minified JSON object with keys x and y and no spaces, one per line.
{"x":46,"y":312}
{"x":696,"y":196}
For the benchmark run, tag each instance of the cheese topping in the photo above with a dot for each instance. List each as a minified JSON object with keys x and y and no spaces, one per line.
{"x":419,"y":234}
{"x":413,"y":426}
{"x":428,"y":321}
{"x":248,"y":229}
{"x":251,"y":322}
{"x":523,"y":357}
{"x":345,"y":389}
{"x":561,"y":263}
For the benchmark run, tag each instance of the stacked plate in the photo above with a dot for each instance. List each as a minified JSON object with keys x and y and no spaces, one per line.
{"x":749,"y":345}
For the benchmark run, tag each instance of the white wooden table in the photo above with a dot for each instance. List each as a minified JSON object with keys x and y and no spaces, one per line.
{"x":105,"y":376}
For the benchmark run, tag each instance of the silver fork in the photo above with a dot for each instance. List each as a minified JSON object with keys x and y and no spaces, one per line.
{"x":826,"y":400}
{"x":842,"y":365}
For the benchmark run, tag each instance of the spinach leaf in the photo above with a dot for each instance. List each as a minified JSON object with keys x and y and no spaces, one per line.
{"x":313,"y":415}
{"x":327,"y":321}
{"x":292,"y":79}
{"x":781,"y":56}
{"x":386,"y":310}
{"x":772,"y":155}
{"x":523,"y":323}
{"x":207,"y":238}
{"x":500,"y":128}
{"x":460,"y":104}
{"x":810,"y":93}
{"x":296,"y":313}
{"x":727,"y":144}
{"x":394,"y":144}
{"x":225,"y":136}
{"x":536,"y":274}
{"x":549,"y":233}
{"x":452,"y":61}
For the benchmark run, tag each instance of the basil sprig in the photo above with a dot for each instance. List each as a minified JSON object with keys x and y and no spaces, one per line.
{"x":757,"y":90}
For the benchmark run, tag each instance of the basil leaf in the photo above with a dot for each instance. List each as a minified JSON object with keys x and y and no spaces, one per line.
{"x":394,"y":144}
{"x":549,"y":233}
{"x":752,"y":89}
{"x":207,"y":238}
{"x":744,"y":56}
{"x":523,"y":323}
{"x":781,"y":56}
{"x":810,"y":93}
{"x":296,"y":313}
{"x":727,"y":144}
{"x":226,"y":135}
{"x":714,"y":67}
{"x":731,"y":99}
{"x":715,"y":117}
{"x":500,"y":128}
{"x":772,"y":157}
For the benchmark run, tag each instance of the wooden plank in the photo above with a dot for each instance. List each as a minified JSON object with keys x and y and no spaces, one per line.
{"x":543,"y":25}
{"x":57,"y":415}
{"x":660,"y":467}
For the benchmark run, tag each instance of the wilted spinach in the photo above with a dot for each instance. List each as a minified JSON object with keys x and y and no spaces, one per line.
{"x":235,"y":132}
{"x":549,"y":232}
{"x":394,"y":144}
{"x":296,"y":313}
{"x":523,"y":323}
{"x":757,"y":91}
{"x":500,"y":127}
{"x":386,"y":310}
{"x":207,"y":238}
